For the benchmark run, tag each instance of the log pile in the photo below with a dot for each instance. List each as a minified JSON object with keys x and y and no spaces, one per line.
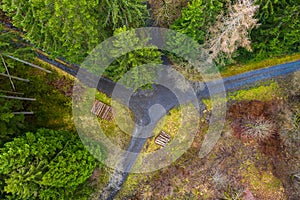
{"x":102,"y":110}
{"x":162,"y":139}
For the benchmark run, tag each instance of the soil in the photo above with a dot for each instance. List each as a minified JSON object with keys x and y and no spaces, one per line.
{"x":236,"y":168}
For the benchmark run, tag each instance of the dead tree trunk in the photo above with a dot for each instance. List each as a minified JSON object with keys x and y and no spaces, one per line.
{"x":18,"y":98}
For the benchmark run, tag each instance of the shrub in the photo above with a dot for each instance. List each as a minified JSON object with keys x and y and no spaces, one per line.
{"x":259,"y":129}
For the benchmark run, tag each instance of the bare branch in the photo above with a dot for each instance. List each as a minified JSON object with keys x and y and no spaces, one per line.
{"x":8,"y":74}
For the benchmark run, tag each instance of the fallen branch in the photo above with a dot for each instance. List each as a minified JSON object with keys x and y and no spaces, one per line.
{"x":8,"y":74}
{"x":28,"y":63}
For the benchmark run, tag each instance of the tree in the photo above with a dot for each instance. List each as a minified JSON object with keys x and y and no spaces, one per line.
{"x":44,"y":165}
{"x":71,"y":29}
{"x":165,"y":12}
{"x":279,"y":32}
{"x":220,"y":26}
{"x":231,"y":29}
{"x":133,"y":59}
{"x":10,"y":124}
{"x":197,"y":17}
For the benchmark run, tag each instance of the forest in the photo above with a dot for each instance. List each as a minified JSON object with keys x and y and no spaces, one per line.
{"x":42,"y":156}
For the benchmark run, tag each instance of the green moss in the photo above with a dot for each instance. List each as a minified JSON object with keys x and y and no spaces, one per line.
{"x":261,"y":180}
{"x":261,"y":93}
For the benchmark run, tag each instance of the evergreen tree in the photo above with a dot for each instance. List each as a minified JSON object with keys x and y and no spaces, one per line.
{"x":197,"y":17}
{"x":279,"y":30}
{"x":44,"y":165}
{"x":71,"y":29}
{"x":133,"y":59}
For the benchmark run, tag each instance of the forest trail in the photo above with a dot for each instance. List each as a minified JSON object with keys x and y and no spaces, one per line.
{"x":140,"y":104}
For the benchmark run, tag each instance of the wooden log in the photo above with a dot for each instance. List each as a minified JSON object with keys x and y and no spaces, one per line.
{"x":102,"y":110}
{"x":18,"y":98}
{"x":28,"y":63}
{"x":160,"y":143}
{"x":23,"y":113}
{"x":164,"y":134}
{"x":10,"y":92}
{"x":15,"y":77}
{"x":162,"y":139}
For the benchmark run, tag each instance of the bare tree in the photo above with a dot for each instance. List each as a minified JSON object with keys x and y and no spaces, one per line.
{"x":232,"y":29}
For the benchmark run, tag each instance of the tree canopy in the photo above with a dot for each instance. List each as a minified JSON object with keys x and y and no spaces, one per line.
{"x":44,"y":165}
{"x":70,"y":29}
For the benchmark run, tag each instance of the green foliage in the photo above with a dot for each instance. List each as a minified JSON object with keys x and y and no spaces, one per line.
{"x":119,"y":13}
{"x":45,"y":165}
{"x":72,"y":28}
{"x":11,"y":43}
{"x":279,"y":32}
{"x":10,"y":124}
{"x":197,"y":17}
{"x":130,"y":62}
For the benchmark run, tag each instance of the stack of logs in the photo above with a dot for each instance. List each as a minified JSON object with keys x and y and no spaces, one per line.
{"x":102,"y":110}
{"x":162,"y":139}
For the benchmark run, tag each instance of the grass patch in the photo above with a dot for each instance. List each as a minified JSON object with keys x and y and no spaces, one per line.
{"x":261,"y":93}
{"x":265,"y":91}
{"x":261,"y":181}
{"x":103,"y":97}
{"x":170,"y":124}
{"x":115,"y":134}
{"x":232,"y":70}
{"x":52,"y":108}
